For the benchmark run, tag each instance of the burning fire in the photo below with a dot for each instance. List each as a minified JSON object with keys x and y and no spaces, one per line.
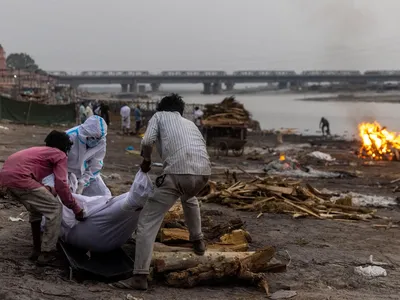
{"x":282,"y":157}
{"x":377,"y":142}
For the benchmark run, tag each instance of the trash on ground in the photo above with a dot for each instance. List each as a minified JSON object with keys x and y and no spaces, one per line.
{"x":4,"y":128}
{"x":17,"y":219}
{"x":283,"y":294}
{"x":134,"y":152}
{"x":292,"y":168}
{"x":129,"y":148}
{"x":114,"y":176}
{"x":371,"y":271}
{"x":367,"y":200}
{"x":321,"y":156}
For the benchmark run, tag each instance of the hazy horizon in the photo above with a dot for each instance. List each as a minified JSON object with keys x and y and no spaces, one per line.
{"x":209,"y":35}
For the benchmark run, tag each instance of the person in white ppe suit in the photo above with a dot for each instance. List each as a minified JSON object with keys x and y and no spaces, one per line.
{"x":85,"y":159}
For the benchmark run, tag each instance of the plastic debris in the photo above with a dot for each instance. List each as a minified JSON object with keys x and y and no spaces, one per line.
{"x":12,"y":219}
{"x":367,"y":200}
{"x":114,"y":176}
{"x":129,"y":148}
{"x":4,"y":128}
{"x":321,"y":156}
{"x":157,"y":164}
{"x":283,"y":294}
{"x":130,"y":297}
{"x":370,"y":271}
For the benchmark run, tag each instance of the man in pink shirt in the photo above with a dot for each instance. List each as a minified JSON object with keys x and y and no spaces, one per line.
{"x":22,"y":174}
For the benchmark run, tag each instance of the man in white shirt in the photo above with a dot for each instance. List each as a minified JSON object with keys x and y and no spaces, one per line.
{"x":198,"y":116}
{"x":88,"y":111}
{"x":125,"y":118}
{"x":186,"y":169}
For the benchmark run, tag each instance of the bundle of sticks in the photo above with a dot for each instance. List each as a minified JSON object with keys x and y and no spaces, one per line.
{"x":276,"y":195}
{"x":228,"y":112}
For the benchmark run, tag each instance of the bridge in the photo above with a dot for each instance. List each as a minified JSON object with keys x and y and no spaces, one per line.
{"x":214,"y":81}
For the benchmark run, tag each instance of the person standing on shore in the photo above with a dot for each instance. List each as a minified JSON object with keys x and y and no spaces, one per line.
{"x":198,"y":117}
{"x":324,"y":125}
{"x":138,"y":118}
{"x":125,"y":118}
{"x":88,"y":110}
{"x":82,"y":113}
{"x":186,"y":169}
{"x":105,"y":113}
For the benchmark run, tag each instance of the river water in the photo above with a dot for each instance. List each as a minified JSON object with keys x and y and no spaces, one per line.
{"x":284,"y":110}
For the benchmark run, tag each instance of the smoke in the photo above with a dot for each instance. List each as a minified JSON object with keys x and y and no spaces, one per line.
{"x":343,"y":28}
{"x":358,"y":113}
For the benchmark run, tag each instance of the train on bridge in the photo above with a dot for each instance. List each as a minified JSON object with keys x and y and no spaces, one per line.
{"x":243,"y":73}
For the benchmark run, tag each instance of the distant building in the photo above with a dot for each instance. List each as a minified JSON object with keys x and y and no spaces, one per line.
{"x":3,"y":65}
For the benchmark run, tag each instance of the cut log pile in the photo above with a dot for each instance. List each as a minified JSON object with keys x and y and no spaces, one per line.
{"x":228,"y":112}
{"x":227,"y":257}
{"x":277,"y":195}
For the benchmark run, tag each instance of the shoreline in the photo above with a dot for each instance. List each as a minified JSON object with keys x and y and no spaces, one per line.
{"x":394,"y":99}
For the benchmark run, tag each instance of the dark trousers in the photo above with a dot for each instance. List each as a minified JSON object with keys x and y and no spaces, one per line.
{"x":138,"y":125}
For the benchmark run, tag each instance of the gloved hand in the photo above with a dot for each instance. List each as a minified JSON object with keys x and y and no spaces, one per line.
{"x":80,"y":216}
{"x":145,"y":166}
{"x":80,"y":188}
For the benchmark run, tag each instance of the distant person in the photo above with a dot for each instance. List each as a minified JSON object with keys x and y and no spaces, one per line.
{"x":82,"y":113}
{"x":324,"y":125}
{"x":88,"y":111}
{"x":96,"y":108}
{"x":138,"y":118}
{"x":105,"y":113}
{"x":22,"y":175}
{"x":125,"y":118}
{"x":85,"y":159}
{"x":198,"y":117}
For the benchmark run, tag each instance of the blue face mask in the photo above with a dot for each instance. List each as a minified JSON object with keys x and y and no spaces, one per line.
{"x":92,"y":142}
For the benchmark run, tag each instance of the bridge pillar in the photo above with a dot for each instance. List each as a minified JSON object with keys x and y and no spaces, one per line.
{"x":133,"y":87}
{"x":229,"y":86}
{"x":207,"y":88}
{"x":124,"y":88}
{"x":74,"y":85}
{"x":282,"y":85}
{"x":155,"y":87}
{"x":216,"y":88}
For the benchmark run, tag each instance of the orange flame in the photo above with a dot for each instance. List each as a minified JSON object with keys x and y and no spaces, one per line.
{"x":377,"y":142}
{"x":282,"y":157}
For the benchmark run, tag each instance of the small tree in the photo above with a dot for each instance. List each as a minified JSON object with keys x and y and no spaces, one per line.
{"x":21,"y":61}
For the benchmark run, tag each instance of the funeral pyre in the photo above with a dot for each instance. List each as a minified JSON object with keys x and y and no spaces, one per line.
{"x":281,"y":195}
{"x":378,"y":143}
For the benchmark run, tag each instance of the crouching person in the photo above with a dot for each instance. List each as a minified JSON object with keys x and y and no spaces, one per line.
{"x":22,"y":174}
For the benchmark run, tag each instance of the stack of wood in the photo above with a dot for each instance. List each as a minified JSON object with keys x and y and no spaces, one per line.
{"x":228,"y":112}
{"x":227,"y":257}
{"x":277,"y":195}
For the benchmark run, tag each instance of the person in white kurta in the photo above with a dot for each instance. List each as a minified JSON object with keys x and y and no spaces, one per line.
{"x":125,"y":118}
{"x":85,"y":158}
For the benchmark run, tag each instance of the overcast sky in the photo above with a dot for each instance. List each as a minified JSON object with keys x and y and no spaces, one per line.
{"x":154,"y":35}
